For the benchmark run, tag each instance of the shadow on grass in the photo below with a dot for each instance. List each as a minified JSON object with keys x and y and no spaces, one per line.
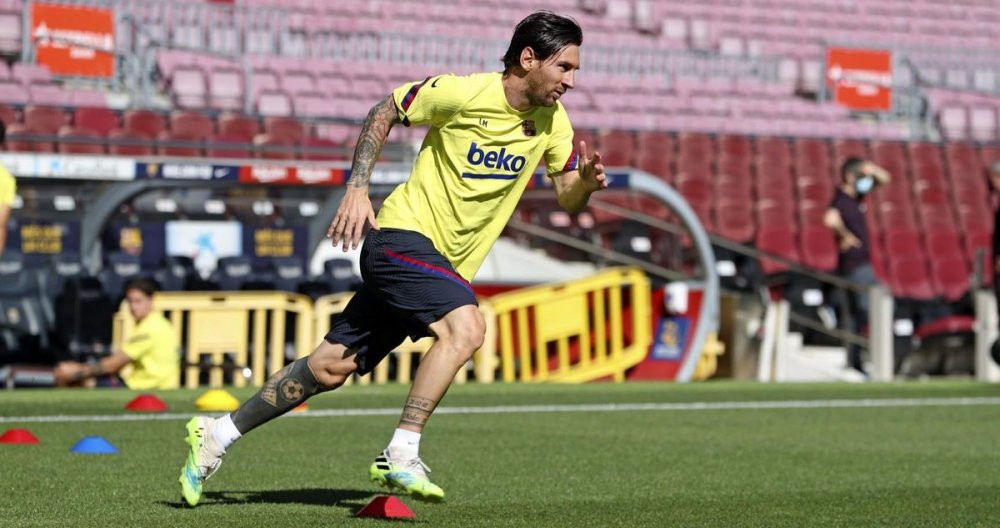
{"x":351,"y":499}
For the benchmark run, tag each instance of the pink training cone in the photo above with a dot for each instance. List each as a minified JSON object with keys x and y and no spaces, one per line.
{"x":18,"y":436}
{"x":383,"y":507}
{"x":146,"y":403}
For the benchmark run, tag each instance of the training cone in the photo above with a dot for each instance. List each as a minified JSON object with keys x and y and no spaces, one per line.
{"x":301,"y":407}
{"x":146,"y":403}
{"x":94,"y":445}
{"x":383,"y":507}
{"x":18,"y":436}
{"x":216,"y":400}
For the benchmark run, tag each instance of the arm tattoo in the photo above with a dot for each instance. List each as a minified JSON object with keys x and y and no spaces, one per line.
{"x":417,"y":411}
{"x":373,"y":133}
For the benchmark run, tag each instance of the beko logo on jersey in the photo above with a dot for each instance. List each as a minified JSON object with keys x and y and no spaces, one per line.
{"x":492,"y":159}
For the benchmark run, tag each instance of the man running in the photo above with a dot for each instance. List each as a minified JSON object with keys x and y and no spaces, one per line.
{"x":487,"y":134}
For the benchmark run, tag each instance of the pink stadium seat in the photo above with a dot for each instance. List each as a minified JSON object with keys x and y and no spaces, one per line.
{"x":10,"y":32}
{"x":225,"y":89}
{"x":66,"y":144}
{"x":229,"y":146}
{"x":242,"y":127}
{"x":118,"y":143}
{"x":95,"y":98}
{"x":47,"y":94}
{"x":28,"y":73}
{"x":274,"y":104}
{"x":146,"y":123}
{"x":191,"y":125}
{"x":296,"y":82}
{"x":13,"y":93}
{"x":97,"y":120}
{"x":313,"y":105}
{"x":188,"y":87}
{"x":45,"y":119}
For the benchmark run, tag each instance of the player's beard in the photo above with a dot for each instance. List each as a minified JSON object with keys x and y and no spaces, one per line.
{"x":539,"y":94}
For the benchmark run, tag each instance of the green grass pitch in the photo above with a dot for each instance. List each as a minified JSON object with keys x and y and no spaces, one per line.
{"x":850,"y":466}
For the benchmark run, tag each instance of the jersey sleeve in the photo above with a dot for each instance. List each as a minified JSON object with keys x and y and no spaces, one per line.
{"x":138,"y":345}
{"x":560,"y":153}
{"x":8,"y":187}
{"x":431,"y":101}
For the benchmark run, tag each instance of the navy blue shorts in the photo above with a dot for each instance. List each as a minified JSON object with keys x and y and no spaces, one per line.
{"x":408,"y":285}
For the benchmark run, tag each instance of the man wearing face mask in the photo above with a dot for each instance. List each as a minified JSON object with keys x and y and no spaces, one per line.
{"x":846,"y":218}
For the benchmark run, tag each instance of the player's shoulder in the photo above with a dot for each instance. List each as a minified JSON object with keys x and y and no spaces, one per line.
{"x":467,"y":83}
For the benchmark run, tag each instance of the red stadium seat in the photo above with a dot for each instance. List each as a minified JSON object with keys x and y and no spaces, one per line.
{"x":818,"y":248}
{"x":659,"y":142}
{"x":735,"y":223}
{"x":270,"y":147}
{"x":901,"y":240}
{"x":942,"y":241}
{"x":284,"y":129}
{"x":586,"y":136}
{"x":8,"y":115}
{"x":617,"y":148}
{"x":229,"y":146}
{"x":98,"y":120}
{"x":118,"y":143}
{"x":951,"y":276}
{"x":191,"y":124}
{"x":777,"y":240}
{"x":321,"y":149}
{"x":655,"y":163}
{"x":17,"y":142}
{"x":240,"y":126}
{"x":146,"y":123}
{"x":190,"y":144}
{"x":45,"y":119}
{"x":66,"y":144}
{"x":909,"y":278}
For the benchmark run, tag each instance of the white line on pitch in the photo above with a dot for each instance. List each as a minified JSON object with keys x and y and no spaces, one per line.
{"x":560,"y":408}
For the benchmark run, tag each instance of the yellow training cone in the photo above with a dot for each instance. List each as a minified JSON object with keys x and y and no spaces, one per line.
{"x":216,"y":400}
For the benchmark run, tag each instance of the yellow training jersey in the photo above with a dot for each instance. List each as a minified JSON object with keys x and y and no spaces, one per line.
{"x":7,"y":187}
{"x":155,"y":354}
{"x":475,"y":162}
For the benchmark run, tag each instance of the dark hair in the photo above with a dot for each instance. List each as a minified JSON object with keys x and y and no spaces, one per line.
{"x":3,"y":131}
{"x":142,"y":284}
{"x":851,"y":164}
{"x":544,"y":32}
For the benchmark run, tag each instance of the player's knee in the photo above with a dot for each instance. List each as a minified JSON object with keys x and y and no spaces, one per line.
{"x":468,"y":334}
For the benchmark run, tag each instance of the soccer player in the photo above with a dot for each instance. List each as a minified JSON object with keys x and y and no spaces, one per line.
{"x":487,"y":134}
{"x":8,"y":190}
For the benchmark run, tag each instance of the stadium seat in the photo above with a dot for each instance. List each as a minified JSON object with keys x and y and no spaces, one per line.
{"x":909,"y":278}
{"x":83,"y":317}
{"x":23,"y":335}
{"x":45,"y":119}
{"x":18,"y":140}
{"x":274,"y":103}
{"x":284,"y":129}
{"x":288,"y":272}
{"x":818,"y":248}
{"x":951,"y":276}
{"x":229,"y":146}
{"x":191,"y":124}
{"x":231,"y":273}
{"x":269,"y":147}
{"x":180,"y":144}
{"x":239,"y":126}
{"x":98,"y":120}
{"x":779,"y":240}
{"x":128,"y":143}
{"x":322,"y":149}
{"x":175,"y":274}
{"x":118,"y":269}
{"x":225,"y":89}
{"x":616,"y":148}
{"x":188,"y":86}
{"x":66,"y":144}
{"x":339,"y":273}
{"x":145,"y":122}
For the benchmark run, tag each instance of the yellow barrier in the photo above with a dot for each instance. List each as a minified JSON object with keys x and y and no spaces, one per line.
{"x":570,"y":332}
{"x":539,"y":325}
{"x":327,"y":306}
{"x":248,"y":325}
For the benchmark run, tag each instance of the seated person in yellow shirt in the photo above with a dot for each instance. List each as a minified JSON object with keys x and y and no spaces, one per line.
{"x":149,"y":357}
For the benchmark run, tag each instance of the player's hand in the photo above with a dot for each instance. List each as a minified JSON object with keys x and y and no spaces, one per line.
{"x":849,"y":241}
{"x":66,"y":372}
{"x":349,"y":222}
{"x":592,"y":170}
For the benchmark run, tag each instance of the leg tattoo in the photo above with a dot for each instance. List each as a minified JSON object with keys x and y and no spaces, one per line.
{"x":417,"y":411}
{"x":281,"y":392}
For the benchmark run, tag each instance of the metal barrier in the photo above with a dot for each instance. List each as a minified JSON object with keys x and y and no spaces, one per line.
{"x":248,"y":325}
{"x":584,"y":320}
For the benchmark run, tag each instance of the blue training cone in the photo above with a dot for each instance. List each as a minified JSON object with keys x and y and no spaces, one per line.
{"x":94,"y":445}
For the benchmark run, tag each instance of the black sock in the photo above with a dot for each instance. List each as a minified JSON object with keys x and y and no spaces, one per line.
{"x":281,"y":392}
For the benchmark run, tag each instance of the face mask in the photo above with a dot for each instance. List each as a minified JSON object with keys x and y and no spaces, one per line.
{"x":864,"y":184}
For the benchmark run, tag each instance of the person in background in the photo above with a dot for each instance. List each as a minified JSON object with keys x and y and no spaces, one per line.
{"x":148,"y":359}
{"x":8,"y":190}
{"x":846,"y":218}
{"x":995,"y":187}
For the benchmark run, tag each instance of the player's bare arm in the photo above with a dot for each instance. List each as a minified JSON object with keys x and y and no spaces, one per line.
{"x":573,"y":188}
{"x":356,"y":207}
